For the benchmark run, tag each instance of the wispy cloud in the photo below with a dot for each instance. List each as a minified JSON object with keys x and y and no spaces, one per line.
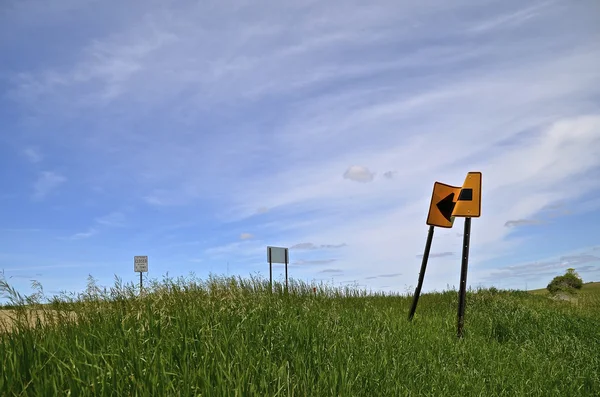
{"x":32,"y":154}
{"x":510,"y":19}
{"x":311,"y":246}
{"x":336,"y":271}
{"x":246,"y":236}
{"x":438,"y":254}
{"x":180,"y":244}
{"x":573,"y":260}
{"x":83,"y":235}
{"x":248,"y":246}
{"x":544,"y":268}
{"x":47,"y":267}
{"x":113,"y":219}
{"x":391,"y":275}
{"x":313,"y":262}
{"x":23,"y":276}
{"x":523,"y":222}
{"x":47,"y":182}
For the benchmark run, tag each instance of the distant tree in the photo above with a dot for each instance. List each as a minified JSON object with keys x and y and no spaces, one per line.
{"x":568,"y":282}
{"x":572,"y":272}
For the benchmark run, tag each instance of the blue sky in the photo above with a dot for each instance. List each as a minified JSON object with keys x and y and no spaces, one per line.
{"x":198,"y":133}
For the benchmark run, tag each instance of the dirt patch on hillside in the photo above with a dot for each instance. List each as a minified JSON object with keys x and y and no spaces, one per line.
{"x":9,"y":318}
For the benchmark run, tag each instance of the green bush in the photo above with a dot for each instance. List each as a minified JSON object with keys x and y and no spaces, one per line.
{"x":569,"y":283}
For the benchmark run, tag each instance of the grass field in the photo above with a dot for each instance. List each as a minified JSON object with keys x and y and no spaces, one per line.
{"x":232,"y":337}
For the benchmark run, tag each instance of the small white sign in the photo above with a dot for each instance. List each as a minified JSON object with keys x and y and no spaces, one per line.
{"x":140,"y":264}
{"x":277,"y":255}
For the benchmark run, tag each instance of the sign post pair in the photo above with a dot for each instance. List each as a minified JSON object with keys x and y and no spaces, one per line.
{"x":277,"y":255}
{"x":447,"y":203}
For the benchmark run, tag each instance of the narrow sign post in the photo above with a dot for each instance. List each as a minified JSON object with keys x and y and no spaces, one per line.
{"x":286,"y":271}
{"x":140,"y":264}
{"x":413,"y":308}
{"x":270,"y":273}
{"x":462,"y":297}
{"x":468,"y":205}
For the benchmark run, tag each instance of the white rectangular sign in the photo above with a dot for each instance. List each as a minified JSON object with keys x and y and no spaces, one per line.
{"x":277,"y":255}
{"x":140,"y":264}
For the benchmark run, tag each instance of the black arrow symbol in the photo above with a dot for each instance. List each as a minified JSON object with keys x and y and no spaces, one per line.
{"x":446,"y":206}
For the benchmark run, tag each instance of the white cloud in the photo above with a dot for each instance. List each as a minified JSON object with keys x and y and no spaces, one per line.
{"x":83,"y":235}
{"x":47,"y":182}
{"x":113,"y":219}
{"x":358,"y":173}
{"x":246,"y":236}
{"x":33,"y":155}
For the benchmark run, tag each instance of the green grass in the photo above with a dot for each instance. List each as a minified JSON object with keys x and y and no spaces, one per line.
{"x":592,"y":288}
{"x":231,"y":337}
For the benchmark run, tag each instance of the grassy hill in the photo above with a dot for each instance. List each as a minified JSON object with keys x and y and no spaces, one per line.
{"x":592,"y":288}
{"x":233,"y":337}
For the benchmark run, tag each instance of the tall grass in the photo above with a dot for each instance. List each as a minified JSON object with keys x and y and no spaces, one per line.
{"x":228,"y":336}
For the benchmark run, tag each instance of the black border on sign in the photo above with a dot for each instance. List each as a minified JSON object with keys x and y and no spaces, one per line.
{"x":431,"y":204}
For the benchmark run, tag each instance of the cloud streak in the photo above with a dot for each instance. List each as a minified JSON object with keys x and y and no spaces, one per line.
{"x":33,"y":155}
{"x":113,"y":219}
{"x":313,"y":262}
{"x":47,"y":182}
{"x":311,"y":246}
{"x":523,"y":222}
{"x":83,"y":235}
{"x":438,"y":255}
{"x":335,"y":271}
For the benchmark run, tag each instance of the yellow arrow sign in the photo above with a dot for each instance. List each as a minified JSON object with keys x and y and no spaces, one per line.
{"x":443,"y":200}
{"x":448,"y":202}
